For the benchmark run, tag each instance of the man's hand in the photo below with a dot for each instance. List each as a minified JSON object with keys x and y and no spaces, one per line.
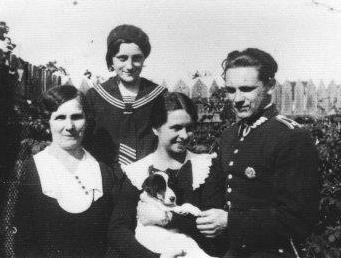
{"x":212,"y":222}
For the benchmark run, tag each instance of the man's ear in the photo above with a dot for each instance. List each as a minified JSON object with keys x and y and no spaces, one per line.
{"x":271,"y":86}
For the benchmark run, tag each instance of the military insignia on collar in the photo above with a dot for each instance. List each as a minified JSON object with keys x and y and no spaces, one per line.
{"x":250,"y":172}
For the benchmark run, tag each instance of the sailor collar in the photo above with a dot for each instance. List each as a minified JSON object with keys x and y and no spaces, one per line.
{"x":110,"y":92}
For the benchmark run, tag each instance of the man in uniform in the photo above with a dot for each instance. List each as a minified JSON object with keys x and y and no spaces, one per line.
{"x":267,"y":165}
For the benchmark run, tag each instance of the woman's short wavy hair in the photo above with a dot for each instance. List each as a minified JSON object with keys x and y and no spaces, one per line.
{"x":171,"y":101}
{"x":252,"y":57}
{"x":58,"y":95}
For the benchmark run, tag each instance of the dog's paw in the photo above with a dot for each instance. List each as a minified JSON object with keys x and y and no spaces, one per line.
{"x":187,"y":208}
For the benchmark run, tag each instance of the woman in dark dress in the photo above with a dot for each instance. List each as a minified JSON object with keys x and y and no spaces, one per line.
{"x":122,"y":105}
{"x":65,"y":198}
{"x":192,"y":179}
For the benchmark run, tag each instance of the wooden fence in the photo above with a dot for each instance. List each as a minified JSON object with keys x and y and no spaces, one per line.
{"x":291,"y":98}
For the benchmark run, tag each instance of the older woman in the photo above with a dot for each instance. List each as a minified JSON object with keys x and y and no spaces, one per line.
{"x":123,"y":104}
{"x":173,"y":117}
{"x":64,"y":201}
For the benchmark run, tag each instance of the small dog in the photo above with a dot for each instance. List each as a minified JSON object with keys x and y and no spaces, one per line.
{"x":155,"y":209}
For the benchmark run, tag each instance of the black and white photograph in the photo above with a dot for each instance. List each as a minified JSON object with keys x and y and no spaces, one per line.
{"x":170,"y":128}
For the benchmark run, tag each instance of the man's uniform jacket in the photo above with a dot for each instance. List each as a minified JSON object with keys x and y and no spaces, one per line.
{"x":269,"y":172}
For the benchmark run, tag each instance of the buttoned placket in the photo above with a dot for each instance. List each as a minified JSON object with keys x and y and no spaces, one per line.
{"x":229,"y":178}
{"x":244,"y":131}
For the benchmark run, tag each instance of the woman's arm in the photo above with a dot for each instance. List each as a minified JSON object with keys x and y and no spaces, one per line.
{"x":21,"y":194}
{"x":123,"y":222}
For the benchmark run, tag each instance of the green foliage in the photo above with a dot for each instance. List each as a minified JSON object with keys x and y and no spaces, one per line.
{"x":326,"y":240}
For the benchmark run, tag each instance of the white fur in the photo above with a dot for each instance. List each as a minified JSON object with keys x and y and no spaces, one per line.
{"x":159,"y":239}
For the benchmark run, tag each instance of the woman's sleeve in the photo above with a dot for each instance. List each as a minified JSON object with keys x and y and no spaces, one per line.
{"x":123,"y":223}
{"x":21,"y":194}
{"x":212,"y":195}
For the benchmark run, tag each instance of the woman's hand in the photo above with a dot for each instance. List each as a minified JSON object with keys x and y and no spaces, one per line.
{"x":173,"y":254}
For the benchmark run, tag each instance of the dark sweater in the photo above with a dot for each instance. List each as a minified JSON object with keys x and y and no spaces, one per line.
{"x":46,"y":230}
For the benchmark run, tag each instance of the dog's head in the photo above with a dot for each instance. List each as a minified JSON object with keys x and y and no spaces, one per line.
{"x":156,"y":185}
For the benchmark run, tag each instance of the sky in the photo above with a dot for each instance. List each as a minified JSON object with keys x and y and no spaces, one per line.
{"x":186,"y":35}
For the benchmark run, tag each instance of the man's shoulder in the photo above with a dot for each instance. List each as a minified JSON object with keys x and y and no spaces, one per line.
{"x":285,"y":122}
{"x":286,"y":129}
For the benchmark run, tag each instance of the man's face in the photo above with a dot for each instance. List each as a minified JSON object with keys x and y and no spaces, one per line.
{"x":246,"y":92}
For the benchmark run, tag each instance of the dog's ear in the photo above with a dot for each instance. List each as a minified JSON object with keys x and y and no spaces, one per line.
{"x":147,"y":185}
{"x":154,"y":184}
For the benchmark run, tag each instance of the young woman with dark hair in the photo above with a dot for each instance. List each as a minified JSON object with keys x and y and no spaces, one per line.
{"x":122,"y":105}
{"x":173,"y":117}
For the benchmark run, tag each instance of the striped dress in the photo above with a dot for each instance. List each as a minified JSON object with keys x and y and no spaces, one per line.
{"x":121,"y":132}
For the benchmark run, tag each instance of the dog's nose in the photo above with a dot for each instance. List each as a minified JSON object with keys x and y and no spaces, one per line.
{"x":172,"y":198}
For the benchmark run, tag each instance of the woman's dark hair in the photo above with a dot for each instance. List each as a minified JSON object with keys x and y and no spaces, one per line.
{"x":126,"y":33}
{"x":169,"y":102}
{"x":58,"y":95}
{"x":113,"y":49}
{"x":252,"y":57}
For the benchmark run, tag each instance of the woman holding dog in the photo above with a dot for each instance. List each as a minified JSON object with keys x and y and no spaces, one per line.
{"x":122,"y":105}
{"x":173,"y":117}
{"x":65,"y":197}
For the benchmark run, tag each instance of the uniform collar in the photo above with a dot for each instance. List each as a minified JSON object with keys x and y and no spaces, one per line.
{"x":268,"y":112}
{"x":246,"y":126}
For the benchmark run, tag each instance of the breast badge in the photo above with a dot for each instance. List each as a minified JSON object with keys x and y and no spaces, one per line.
{"x":250,"y":172}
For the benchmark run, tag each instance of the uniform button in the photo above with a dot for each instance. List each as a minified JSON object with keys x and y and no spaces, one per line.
{"x":242,"y":139}
{"x":229,"y":190}
{"x":229,"y":176}
{"x":231,"y":163}
{"x":228,"y":203}
{"x":235,"y":151}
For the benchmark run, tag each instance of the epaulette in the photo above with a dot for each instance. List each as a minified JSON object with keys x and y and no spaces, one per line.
{"x":291,"y":124}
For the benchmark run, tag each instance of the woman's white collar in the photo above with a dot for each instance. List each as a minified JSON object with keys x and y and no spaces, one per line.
{"x":137,"y":172}
{"x":58,"y":183}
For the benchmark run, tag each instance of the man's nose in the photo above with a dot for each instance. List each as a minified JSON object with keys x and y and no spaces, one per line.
{"x":238,"y":96}
{"x":183,"y":133}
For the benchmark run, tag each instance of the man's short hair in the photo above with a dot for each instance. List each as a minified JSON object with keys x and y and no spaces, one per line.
{"x":252,"y":57}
